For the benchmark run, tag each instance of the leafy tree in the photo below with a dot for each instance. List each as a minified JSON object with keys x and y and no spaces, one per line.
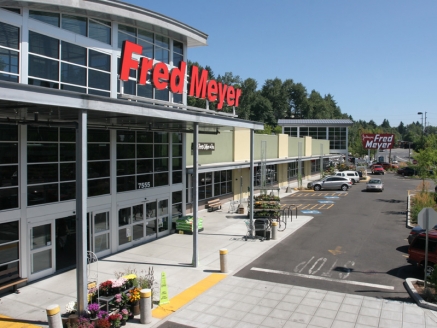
{"x":385,"y":124}
{"x":427,"y":159}
{"x":299,"y":100}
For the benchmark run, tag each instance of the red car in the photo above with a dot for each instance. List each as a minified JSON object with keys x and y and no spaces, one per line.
{"x":386,"y":165}
{"x":377,"y":169}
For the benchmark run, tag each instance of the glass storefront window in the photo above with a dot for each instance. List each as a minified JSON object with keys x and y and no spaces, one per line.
{"x":8,"y":167}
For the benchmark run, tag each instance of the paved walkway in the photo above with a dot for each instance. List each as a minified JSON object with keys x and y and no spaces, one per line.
{"x":228,"y":302}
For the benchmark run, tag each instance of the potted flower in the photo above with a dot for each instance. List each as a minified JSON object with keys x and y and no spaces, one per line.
{"x":124,"y":316}
{"x":102,"y":323}
{"x":117,"y":302}
{"x":93,"y":309}
{"x":134,"y":297}
{"x":115,"y":320}
{"x":105,"y":287}
{"x":131,"y":280}
{"x":117,"y":284}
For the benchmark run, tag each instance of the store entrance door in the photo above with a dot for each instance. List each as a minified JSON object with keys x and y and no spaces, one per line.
{"x":99,"y":233}
{"x":65,"y":242}
{"x":41,"y":241}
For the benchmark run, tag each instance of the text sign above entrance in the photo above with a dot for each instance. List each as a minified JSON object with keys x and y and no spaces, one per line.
{"x":205,"y":146}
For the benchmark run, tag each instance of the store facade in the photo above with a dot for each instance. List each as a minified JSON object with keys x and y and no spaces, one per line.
{"x":73,"y":127}
{"x":59,"y":75}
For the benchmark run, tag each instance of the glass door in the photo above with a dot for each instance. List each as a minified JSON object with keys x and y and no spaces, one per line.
{"x":157,"y":223}
{"x":163,"y":222}
{"x":41,"y":244}
{"x":100,"y":233}
{"x":131,"y":224}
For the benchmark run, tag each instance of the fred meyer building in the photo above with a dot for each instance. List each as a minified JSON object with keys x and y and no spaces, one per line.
{"x":77,"y":121}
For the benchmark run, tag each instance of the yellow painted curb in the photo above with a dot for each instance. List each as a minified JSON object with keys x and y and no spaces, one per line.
{"x":145,"y":294}
{"x":187,"y":295}
{"x":6,"y":322}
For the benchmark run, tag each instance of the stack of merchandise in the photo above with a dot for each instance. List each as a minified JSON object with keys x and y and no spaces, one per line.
{"x":185,"y":224}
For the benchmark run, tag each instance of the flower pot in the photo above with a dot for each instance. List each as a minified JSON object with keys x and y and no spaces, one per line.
{"x":123,"y":322}
{"x":135,"y":308}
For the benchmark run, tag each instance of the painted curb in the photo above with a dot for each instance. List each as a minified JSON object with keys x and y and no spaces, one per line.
{"x":415,"y":295}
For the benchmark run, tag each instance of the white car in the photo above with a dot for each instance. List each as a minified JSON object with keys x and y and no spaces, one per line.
{"x":352,"y":175}
{"x":395,"y":162}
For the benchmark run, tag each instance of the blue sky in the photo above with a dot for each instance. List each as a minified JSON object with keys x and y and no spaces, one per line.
{"x":377,"y":58}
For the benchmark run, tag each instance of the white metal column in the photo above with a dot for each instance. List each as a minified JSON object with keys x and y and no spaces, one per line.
{"x":195,"y":193}
{"x":251,"y":183}
{"x":81,"y":212}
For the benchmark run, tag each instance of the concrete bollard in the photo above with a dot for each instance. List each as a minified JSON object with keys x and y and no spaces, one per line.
{"x":54,"y":316}
{"x":224,"y":260}
{"x":274,"y":229}
{"x":145,"y":306}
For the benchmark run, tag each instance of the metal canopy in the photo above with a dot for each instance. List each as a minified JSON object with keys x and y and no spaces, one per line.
{"x":21,"y":102}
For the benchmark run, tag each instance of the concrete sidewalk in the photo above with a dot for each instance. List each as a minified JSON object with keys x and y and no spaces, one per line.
{"x":232,"y":302}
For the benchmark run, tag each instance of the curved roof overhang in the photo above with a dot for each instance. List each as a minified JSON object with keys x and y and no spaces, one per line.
{"x":120,"y":12}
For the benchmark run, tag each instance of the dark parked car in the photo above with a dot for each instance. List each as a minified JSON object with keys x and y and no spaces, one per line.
{"x":407,"y":171}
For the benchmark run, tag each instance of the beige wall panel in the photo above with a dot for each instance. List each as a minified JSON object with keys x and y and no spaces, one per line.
{"x":307,"y":147}
{"x":282,"y":145}
{"x":241,"y":145}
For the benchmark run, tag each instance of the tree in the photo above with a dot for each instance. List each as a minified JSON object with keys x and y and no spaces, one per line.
{"x":278,"y":94}
{"x":298,"y":100}
{"x":385,"y":124}
{"x":427,"y":159}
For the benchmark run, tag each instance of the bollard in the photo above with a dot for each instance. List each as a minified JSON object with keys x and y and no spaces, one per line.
{"x":274,"y":229}
{"x":224,"y":260}
{"x":54,"y":316}
{"x":145,"y":306}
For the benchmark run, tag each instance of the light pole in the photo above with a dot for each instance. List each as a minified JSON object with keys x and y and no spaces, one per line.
{"x":420,"y":113}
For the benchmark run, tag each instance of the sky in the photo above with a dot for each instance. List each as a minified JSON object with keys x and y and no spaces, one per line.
{"x":378,"y":59}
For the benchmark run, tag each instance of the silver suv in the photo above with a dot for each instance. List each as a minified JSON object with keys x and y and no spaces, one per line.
{"x":353,"y":175}
{"x":331,"y":182}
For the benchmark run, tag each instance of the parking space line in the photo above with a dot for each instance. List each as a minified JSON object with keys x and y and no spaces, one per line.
{"x":330,"y":206}
{"x":349,"y":282}
{"x":305,"y":206}
{"x":314,"y":206}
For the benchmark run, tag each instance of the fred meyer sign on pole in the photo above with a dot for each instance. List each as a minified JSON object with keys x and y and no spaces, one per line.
{"x":378,"y":141}
{"x":162,"y":78}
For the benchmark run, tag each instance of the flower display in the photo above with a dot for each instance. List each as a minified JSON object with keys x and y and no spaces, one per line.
{"x":115,"y":319}
{"x":130,"y":276}
{"x":118,"y":283}
{"x":106,"y":285}
{"x":93,"y":309}
{"x":102,"y":314}
{"x":102,"y":323}
{"x":71,"y":307}
{"x":124,"y":314}
{"x":134,"y":295}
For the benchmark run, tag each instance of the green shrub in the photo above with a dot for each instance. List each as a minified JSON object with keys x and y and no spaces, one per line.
{"x":419,"y":201}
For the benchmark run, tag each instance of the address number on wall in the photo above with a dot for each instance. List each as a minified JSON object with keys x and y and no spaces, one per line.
{"x":143,"y":185}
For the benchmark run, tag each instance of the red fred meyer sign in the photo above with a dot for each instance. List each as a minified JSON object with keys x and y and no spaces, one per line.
{"x":378,"y":141}
{"x":199,"y":86}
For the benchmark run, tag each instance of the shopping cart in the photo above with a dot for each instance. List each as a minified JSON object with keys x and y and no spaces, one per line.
{"x":258,"y":225}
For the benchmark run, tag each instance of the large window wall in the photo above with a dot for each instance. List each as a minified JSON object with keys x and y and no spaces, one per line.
{"x":293,"y":170}
{"x":213,"y":184}
{"x":9,"y":52}
{"x":9,"y":167}
{"x":270,"y":175}
{"x":142,"y":160}
{"x":62,"y":65}
{"x":9,"y":251}
{"x":337,"y":138}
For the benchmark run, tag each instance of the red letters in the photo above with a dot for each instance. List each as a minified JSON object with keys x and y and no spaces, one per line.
{"x":212,"y":90}
{"x":126,"y":59}
{"x":230,"y":96}
{"x":146,"y":65}
{"x":199,"y":87}
{"x":177,"y":77}
{"x":160,"y":76}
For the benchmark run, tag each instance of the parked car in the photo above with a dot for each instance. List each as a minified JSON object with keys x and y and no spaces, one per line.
{"x":407,"y":171}
{"x":395,"y":162}
{"x":387,"y":166}
{"x":377,"y":169}
{"x":416,"y":231}
{"x":416,"y":251}
{"x":353,"y":175}
{"x":331,"y":182}
{"x":375,"y":185}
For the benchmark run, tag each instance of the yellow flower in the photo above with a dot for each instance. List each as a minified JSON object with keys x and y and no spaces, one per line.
{"x":130,"y":276}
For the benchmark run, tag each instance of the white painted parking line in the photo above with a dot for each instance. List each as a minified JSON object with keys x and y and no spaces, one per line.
{"x":349,"y":282}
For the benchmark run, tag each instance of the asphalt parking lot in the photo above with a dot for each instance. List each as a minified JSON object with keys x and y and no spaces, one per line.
{"x":356,"y":245}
